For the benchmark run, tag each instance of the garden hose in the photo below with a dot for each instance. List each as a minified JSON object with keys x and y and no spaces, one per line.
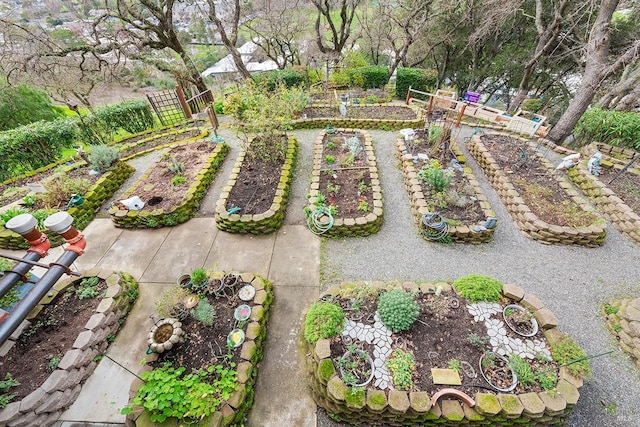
{"x":316,"y":225}
{"x":435,"y":228}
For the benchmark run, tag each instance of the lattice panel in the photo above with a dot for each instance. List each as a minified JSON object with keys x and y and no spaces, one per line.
{"x":167,"y":106}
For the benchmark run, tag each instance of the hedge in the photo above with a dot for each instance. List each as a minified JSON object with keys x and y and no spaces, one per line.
{"x":132,"y":116}
{"x":369,"y":77}
{"x":34,"y":145}
{"x":290,"y":78}
{"x":417,"y":78}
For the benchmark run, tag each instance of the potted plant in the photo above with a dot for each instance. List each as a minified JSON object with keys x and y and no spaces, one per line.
{"x":199,"y":279}
{"x":356,"y":367}
{"x":520,"y":320}
{"x":173,"y":303}
{"x":497,"y":372}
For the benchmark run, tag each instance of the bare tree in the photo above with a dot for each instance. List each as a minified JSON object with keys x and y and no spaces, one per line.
{"x":227,"y":15}
{"x":278,"y":27}
{"x":339,"y":29}
{"x":149,"y":24}
{"x":624,"y":96}
{"x":598,"y":67}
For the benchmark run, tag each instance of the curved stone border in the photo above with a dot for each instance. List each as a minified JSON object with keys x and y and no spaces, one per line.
{"x":624,"y":219}
{"x":384,"y":124}
{"x":45,"y":405}
{"x":345,"y":227}
{"x":82,"y":214}
{"x":400,"y":407}
{"x":625,"y":325}
{"x":237,"y":406}
{"x":178,"y":140}
{"x":590,"y":236}
{"x":458,"y":233}
{"x":617,"y":155}
{"x":262,"y":223}
{"x":178,"y":214}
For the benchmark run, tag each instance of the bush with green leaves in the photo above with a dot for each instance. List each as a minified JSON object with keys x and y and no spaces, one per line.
{"x":476,"y":287}
{"x":289,"y":77}
{"x":369,"y":77}
{"x":87,"y":288}
{"x":5,"y":386}
{"x":323,"y":320}
{"x":398,"y":309}
{"x":12,"y":212}
{"x":401,"y":365}
{"x":433,"y":175}
{"x":418,"y":78}
{"x":22,"y":104}
{"x":167,"y":392}
{"x":204,"y":312}
{"x":35,"y":145}
{"x":102,"y":157}
{"x":567,"y":352}
{"x":61,"y":187}
{"x":609,"y":127}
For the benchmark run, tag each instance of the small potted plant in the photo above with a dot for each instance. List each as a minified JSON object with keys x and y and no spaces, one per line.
{"x":199,"y":279}
{"x":173,"y":303}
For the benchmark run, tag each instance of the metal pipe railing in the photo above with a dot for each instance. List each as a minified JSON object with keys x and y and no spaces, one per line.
{"x":59,"y":222}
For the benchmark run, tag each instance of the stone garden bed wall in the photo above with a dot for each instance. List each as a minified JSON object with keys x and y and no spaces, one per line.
{"x":45,"y":405}
{"x":458,"y":233}
{"x":181,"y":213}
{"x":395,"y":407}
{"x":625,"y":325}
{"x":523,"y":217}
{"x":624,"y":219}
{"x":84,"y":213}
{"x":315,"y":123}
{"x":266,"y":222}
{"x":237,"y":406}
{"x":365,"y":225}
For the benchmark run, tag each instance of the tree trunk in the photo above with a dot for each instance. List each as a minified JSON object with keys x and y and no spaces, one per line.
{"x":596,"y":70}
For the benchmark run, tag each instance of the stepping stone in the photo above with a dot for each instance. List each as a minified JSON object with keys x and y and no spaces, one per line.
{"x":445,"y":376}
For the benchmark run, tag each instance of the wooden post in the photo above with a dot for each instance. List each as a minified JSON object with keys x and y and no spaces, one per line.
{"x":406,"y":101}
{"x":460,"y":114}
{"x":183,"y":102}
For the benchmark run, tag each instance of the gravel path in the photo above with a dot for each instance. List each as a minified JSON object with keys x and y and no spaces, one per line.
{"x":572,"y":281}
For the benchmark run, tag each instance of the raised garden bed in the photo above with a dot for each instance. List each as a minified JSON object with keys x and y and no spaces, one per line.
{"x":385,"y":117}
{"x":234,"y":340}
{"x":61,"y":345}
{"x":450,"y":335}
{"x":469,"y":221}
{"x":103,"y":189}
{"x":143,"y":144}
{"x":623,"y":321}
{"x":345,"y":198}
{"x":238,"y":210}
{"x":167,"y":203}
{"x":513,"y":166}
{"x":618,"y":200}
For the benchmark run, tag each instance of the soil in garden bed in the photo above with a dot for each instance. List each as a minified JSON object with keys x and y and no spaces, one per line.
{"x":259,"y":176}
{"x":535,"y":182}
{"x":345,"y":180}
{"x":157,"y":141}
{"x":458,"y":202}
{"x":207,"y":345}
{"x":444,"y":334}
{"x":384,"y":112}
{"x":626,"y":186}
{"x":157,"y":191}
{"x":52,"y":333}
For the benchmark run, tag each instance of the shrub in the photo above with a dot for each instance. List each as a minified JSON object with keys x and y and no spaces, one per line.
{"x":102,"y":157}
{"x":87,"y":288}
{"x":475,"y":287}
{"x":401,"y":365}
{"x":567,"y":352}
{"x":199,"y":276}
{"x":418,"y":78}
{"x":398,"y":310}
{"x":169,"y":298}
{"x":609,"y":127}
{"x":434,"y":176}
{"x":204,"y":312}
{"x":60,"y":188}
{"x":369,"y":77}
{"x":324,"y":320}
{"x":22,"y":104}
{"x":290,"y":78}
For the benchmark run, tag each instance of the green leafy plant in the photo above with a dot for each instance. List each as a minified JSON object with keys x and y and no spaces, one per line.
{"x":10,"y":213}
{"x":204,"y":312}
{"x":455,"y":365}
{"x":102,"y":157}
{"x":329,"y":159}
{"x":175,"y":166}
{"x":88,"y":288}
{"x":609,"y":309}
{"x":324,"y":320}
{"x":478,"y":340}
{"x":434,"y":176}
{"x":333,"y":188}
{"x":199,"y":276}
{"x":167,"y":392}
{"x":177,"y":181}
{"x":401,"y":364}
{"x":331,"y":145}
{"x":5,"y":386}
{"x":170,"y":298}
{"x":29,"y":200}
{"x":398,"y":309}
{"x":522,"y":368}
{"x":61,"y":187}
{"x":567,"y":352}
{"x":475,"y":288}
{"x":363,"y":187}
{"x":363,"y":206}
{"x":53,"y":362}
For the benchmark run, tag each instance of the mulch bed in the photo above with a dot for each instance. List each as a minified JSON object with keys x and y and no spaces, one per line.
{"x":52,"y":333}
{"x":386,"y":112}
{"x":345,"y":182}
{"x":535,"y":182}
{"x":440,"y":334}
